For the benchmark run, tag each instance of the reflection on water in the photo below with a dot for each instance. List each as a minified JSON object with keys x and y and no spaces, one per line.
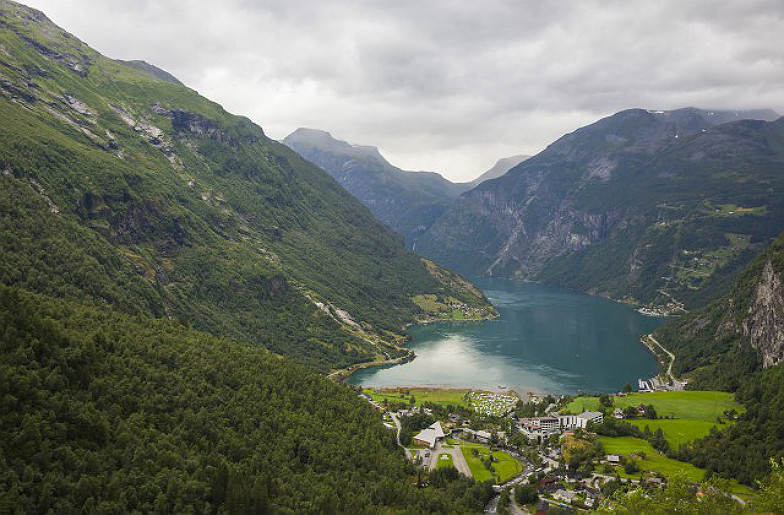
{"x":546,"y":340}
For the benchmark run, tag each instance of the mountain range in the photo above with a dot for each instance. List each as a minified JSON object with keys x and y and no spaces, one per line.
{"x":655,"y":208}
{"x":500,"y":167}
{"x":175,"y":286}
{"x":408,"y":202}
{"x":739,"y":333}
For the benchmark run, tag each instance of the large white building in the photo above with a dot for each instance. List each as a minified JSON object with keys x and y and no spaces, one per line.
{"x":430,"y":435}
{"x":581,"y":420}
{"x":536,"y":428}
{"x":539,"y":428}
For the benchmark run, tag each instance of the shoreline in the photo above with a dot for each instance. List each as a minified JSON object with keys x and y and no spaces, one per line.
{"x":647,"y":309}
{"x":342,"y":374}
{"x":674,"y":383}
{"x":447,"y":388}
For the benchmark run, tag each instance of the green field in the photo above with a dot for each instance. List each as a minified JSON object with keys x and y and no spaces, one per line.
{"x":693,"y":412}
{"x":677,"y":431}
{"x":655,"y":462}
{"x":431,"y":304}
{"x":421,"y":395}
{"x":688,"y":404}
{"x":444,"y":460}
{"x":505,"y":469}
{"x":627,"y":445}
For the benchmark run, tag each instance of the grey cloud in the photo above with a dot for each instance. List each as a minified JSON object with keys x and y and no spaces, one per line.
{"x":447,"y":85}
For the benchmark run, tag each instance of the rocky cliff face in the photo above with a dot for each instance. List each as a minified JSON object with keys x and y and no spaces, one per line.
{"x":763,"y":328}
{"x":656,"y":208}
{"x":741,"y":332}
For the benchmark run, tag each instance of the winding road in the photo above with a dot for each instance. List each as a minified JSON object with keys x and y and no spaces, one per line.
{"x":648,"y":340}
{"x":670,"y":354}
{"x":397,"y":436}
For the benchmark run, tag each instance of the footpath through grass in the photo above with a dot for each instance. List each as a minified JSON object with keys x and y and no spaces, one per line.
{"x":505,"y":468}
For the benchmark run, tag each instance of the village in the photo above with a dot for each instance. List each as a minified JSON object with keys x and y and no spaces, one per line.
{"x":540,"y":453}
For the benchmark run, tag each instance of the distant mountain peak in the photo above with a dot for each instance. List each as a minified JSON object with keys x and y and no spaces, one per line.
{"x":409,"y":202}
{"x":500,"y":167}
{"x":323,"y":140}
{"x":715,"y":116}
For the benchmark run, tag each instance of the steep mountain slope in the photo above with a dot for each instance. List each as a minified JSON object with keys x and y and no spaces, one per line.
{"x":408,"y":202}
{"x":656,"y":208}
{"x":743,"y":331}
{"x":500,"y":167}
{"x":125,"y":188}
{"x":737,"y":344}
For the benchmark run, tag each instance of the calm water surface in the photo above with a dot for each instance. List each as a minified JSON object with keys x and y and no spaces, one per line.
{"x":546,"y":340}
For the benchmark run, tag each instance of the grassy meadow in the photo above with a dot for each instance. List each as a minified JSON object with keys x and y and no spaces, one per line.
{"x":690,"y":414}
{"x":655,"y":462}
{"x":505,"y":468}
{"x":444,"y":460}
{"x":443,"y":397}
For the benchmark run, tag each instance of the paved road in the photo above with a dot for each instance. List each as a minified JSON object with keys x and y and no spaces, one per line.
{"x":516,"y":509}
{"x":457,"y":459}
{"x":397,"y":436}
{"x":670,"y":354}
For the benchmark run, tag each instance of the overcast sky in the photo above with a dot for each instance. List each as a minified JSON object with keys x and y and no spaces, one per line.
{"x":448,"y":86}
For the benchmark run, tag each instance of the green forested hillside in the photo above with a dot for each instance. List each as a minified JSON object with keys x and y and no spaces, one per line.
{"x":158,"y":255}
{"x":110,"y":413}
{"x":124,"y":187}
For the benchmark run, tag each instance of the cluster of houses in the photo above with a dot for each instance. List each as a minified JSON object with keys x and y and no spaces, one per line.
{"x":641,"y":411}
{"x":582,"y":495}
{"x":540,"y":428}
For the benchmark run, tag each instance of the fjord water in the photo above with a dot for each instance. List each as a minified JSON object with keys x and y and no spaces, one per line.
{"x":546,"y":340}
